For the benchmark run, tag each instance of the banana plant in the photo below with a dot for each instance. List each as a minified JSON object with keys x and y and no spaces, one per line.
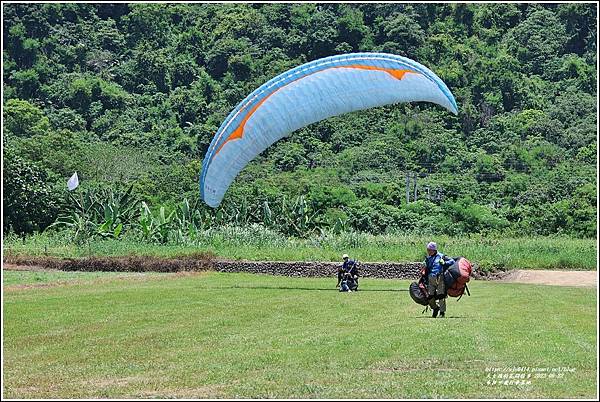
{"x":156,"y":227}
{"x":341,"y":225}
{"x":115,"y":210}
{"x":111,"y":227}
{"x":186,"y":219}
{"x":101,"y":213}
{"x":164,"y":223}
{"x":147,"y":222}
{"x":79,"y":218}
{"x":297,"y":218}
{"x":267,"y":214}
{"x":81,"y":227}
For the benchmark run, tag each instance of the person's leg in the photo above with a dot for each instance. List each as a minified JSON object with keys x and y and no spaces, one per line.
{"x":431,"y":291}
{"x":441,"y":290}
{"x":442,"y":303}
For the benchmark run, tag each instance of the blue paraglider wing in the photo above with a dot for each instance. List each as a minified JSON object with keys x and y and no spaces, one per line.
{"x":309,"y":93}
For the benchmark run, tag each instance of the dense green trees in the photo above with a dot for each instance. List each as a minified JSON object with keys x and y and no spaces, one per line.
{"x":30,"y":204}
{"x":133,"y":93}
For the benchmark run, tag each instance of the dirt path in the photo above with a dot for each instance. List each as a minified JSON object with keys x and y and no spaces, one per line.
{"x":557,"y":278}
{"x":539,"y":277}
{"x":36,"y":268}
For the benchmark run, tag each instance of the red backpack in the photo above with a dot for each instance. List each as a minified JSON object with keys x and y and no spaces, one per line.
{"x":456,"y":277}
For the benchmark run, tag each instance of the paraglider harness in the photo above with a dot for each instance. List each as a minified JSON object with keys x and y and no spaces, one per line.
{"x":347,"y":282}
{"x":455,"y":277}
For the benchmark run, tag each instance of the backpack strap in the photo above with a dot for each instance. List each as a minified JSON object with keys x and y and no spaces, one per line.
{"x":468,"y":293}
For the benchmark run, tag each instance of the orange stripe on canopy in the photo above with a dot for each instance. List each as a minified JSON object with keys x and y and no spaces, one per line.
{"x":398,"y":74}
{"x":239,"y":131}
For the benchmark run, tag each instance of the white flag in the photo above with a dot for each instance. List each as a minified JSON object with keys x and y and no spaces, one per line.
{"x":73,"y":182}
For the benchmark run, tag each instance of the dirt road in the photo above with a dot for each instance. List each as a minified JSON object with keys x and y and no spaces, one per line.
{"x":558,"y":278}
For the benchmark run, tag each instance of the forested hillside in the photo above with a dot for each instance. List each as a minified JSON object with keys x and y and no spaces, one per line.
{"x":132,"y":94}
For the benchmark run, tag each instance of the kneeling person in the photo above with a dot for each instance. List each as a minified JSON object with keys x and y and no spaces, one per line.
{"x":348,"y":275}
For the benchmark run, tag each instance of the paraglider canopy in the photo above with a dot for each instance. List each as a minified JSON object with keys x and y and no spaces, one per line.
{"x":309,"y":93}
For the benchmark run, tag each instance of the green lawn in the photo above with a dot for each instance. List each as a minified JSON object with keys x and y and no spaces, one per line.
{"x":19,"y":277}
{"x":251,"y":336}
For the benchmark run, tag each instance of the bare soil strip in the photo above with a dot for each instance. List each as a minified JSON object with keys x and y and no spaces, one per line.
{"x":557,"y":278}
{"x":129,"y":265}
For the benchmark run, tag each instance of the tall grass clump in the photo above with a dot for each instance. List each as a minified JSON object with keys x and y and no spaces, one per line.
{"x":105,"y":223}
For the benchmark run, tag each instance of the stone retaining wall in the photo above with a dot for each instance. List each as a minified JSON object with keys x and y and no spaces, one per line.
{"x":408,"y":270}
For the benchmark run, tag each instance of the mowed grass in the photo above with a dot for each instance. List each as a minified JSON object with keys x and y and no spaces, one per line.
{"x":46,"y":277}
{"x":252,"y":336}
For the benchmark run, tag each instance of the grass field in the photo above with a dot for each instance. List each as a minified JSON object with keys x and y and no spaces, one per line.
{"x":241,"y":335}
{"x":260,"y":244}
{"x":50,"y":277}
